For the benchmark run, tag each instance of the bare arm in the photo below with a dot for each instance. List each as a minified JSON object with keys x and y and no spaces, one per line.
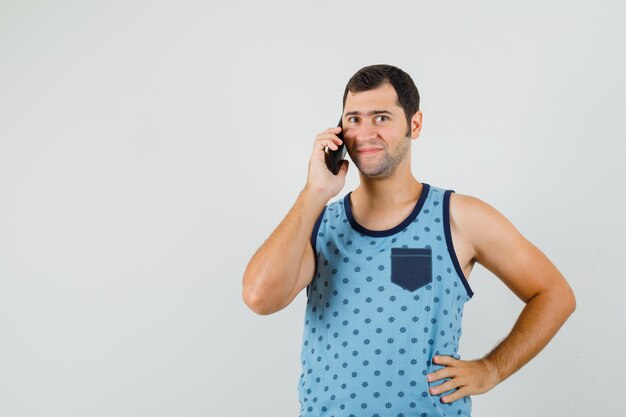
{"x":499,"y":247}
{"x":273,"y":271}
{"x":541,"y":318}
{"x":284,"y":264}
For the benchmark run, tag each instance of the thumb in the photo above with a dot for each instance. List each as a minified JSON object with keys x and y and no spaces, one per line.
{"x":344,"y":166}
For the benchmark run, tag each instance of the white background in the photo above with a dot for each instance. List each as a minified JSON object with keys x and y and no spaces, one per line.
{"x":148,"y":148}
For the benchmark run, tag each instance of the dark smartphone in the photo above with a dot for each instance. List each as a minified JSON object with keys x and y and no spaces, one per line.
{"x":334,"y":158}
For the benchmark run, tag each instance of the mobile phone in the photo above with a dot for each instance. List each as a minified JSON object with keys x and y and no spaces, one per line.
{"x":334,"y":158}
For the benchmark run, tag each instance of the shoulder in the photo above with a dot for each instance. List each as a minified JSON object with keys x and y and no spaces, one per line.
{"x":469,"y":209}
{"x":479,"y":223}
{"x":466,"y":208}
{"x":500,"y":247}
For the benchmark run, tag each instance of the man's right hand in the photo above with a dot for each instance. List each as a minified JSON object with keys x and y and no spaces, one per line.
{"x":320,"y":178}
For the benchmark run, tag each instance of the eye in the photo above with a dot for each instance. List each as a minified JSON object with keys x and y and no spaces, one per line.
{"x":382,"y":115}
{"x":350,"y":118}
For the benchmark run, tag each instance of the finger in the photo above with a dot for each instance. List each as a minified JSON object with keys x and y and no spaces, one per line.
{"x":331,"y":138}
{"x":325,"y":146}
{"x":440,"y":374}
{"x":329,"y":141}
{"x":444,"y":360}
{"x":344,"y":167}
{"x":456,"y":395}
{"x":445,"y":387}
{"x":330,"y":130}
{"x":321,"y":144}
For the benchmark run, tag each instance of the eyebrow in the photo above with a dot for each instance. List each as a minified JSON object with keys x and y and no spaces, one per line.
{"x":373,"y":112}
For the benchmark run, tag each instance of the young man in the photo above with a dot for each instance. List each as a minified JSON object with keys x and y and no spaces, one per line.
{"x":386,"y":271}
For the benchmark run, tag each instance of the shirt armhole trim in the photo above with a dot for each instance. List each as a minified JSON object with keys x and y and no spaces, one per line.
{"x":316,"y":228}
{"x":446,"y":227}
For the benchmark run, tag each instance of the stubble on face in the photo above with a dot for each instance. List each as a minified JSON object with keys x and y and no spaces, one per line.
{"x":387,"y":163}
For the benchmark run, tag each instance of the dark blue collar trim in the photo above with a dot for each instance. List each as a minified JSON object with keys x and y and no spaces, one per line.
{"x":383,"y":233}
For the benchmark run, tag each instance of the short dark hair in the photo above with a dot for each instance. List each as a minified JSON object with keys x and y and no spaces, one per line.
{"x":368,"y":78}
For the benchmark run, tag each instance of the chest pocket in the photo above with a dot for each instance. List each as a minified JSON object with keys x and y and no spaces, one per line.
{"x":411,"y":268}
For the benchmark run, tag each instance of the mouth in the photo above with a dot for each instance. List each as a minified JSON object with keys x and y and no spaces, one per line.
{"x":368,"y":151}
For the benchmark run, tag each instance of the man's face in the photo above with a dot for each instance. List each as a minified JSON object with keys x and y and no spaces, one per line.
{"x":375,"y":131}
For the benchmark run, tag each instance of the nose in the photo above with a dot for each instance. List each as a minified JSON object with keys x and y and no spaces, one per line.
{"x":365,"y":132}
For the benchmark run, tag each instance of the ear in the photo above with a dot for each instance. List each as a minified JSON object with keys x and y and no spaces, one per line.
{"x":416,"y":124}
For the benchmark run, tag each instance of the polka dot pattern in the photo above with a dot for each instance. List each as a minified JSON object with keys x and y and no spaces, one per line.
{"x":380,"y":306}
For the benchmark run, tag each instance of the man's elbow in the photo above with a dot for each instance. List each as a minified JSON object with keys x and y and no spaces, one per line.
{"x":571,"y":303}
{"x":561,"y":297}
{"x":251,"y":302}
{"x":566,"y":298}
{"x":255,"y":304}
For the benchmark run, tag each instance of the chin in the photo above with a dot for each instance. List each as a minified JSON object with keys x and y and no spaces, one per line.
{"x":376,"y":174}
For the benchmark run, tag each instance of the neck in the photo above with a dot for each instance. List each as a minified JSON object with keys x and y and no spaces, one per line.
{"x":386,"y":195}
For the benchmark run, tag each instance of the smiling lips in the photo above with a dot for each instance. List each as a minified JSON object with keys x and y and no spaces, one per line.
{"x":368,"y":151}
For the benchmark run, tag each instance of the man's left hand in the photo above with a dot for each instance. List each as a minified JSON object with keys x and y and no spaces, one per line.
{"x":469,"y":377}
